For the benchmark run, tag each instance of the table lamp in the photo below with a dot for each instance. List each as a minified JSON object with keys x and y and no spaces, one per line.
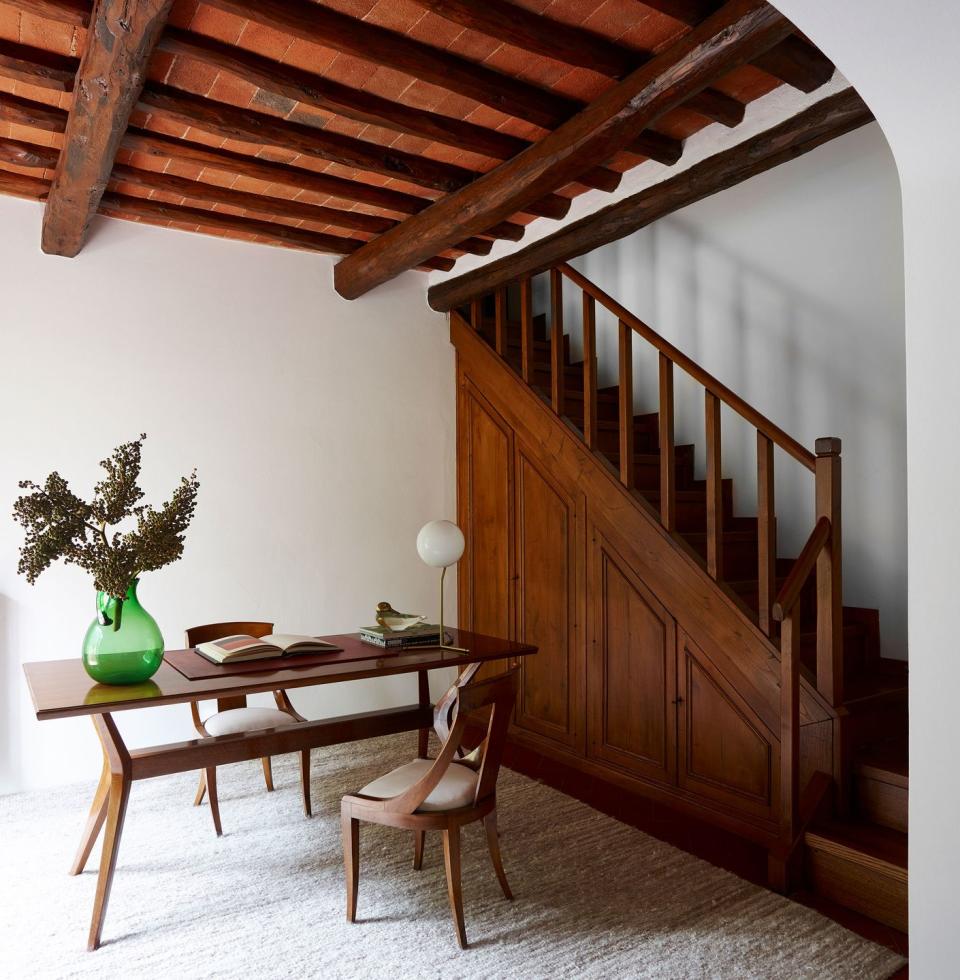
{"x":440,"y":544}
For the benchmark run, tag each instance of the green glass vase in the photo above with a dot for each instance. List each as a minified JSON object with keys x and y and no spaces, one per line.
{"x":123,"y":644}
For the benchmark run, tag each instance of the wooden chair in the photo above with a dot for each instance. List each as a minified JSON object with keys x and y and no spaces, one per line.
{"x":441,"y":794}
{"x":234,"y":716}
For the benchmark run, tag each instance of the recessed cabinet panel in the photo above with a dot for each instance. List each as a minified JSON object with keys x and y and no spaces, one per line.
{"x":631,"y":673}
{"x":486,"y":504}
{"x":723,"y":754}
{"x":546,"y":524}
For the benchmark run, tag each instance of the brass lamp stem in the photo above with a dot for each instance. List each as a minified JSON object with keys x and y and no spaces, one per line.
{"x":443,"y":636}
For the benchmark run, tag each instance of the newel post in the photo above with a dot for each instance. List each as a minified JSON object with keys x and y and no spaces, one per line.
{"x":829,"y":574}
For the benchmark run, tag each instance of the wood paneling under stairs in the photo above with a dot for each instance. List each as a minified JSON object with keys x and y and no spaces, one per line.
{"x":654,"y":678}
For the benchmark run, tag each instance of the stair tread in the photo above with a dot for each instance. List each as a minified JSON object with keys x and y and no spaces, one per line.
{"x":861,"y":839}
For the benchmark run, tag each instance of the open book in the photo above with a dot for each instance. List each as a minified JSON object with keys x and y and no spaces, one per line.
{"x":239,"y":648}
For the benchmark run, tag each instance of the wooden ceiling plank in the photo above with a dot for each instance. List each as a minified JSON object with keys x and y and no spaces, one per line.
{"x":310,"y":88}
{"x":112,"y":70}
{"x":35,"y":115}
{"x":833,"y":117}
{"x":377,"y":45}
{"x":512,"y":24}
{"x":35,"y":66}
{"x":737,"y":33}
{"x":73,"y":12}
{"x":30,"y":155}
{"x":20,"y":185}
{"x":258,"y":128}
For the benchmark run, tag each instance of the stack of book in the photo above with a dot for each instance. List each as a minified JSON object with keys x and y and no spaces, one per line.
{"x":424,"y":635}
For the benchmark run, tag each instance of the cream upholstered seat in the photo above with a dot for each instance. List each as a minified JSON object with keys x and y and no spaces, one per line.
{"x":456,"y":788}
{"x":235,"y":717}
{"x":236,"y":721}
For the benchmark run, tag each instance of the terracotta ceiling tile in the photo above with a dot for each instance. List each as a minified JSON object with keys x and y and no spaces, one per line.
{"x":612,"y":17}
{"x":435,"y":30}
{"x":395,"y":15}
{"x":229,"y":88}
{"x":355,"y":8}
{"x":192,"y":76}
{"x":473,"y":45}
{"x":50,"y":35}
{"x":264,"y":40}
{"x":9,"y":23}
{"x":388,"y":83}
{"x":218,"y":23}
{"x":309,"y":57}
{"x":160,"y":65}
{"x":583,"y":84}
{"x":182,"y":13}
{"x":522,"y":64}
{"x":350,"y":71}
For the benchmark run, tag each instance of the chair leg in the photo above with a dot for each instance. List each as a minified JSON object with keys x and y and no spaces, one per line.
{"x":305,"y":781}
{"x":451,"y":860}
{"x":419,"y":837}
{"x":201,"y":789}
{"x":493,"y":842}
{"x":211,"y":781}
{"x":268,"y":773}
{"x":351,"y":859}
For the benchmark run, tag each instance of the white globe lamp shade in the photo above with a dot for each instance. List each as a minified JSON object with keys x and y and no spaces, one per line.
{"x":440,"y":543}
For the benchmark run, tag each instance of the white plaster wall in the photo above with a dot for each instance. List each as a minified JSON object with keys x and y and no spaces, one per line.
{"x":322,"y":430}
{"x":789,"y":289}
{"x":903,"y":61}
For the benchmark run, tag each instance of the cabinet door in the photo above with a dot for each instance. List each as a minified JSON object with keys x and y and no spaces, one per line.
{"x":550,"y":701}
{"x":485,"y":505}
{"x":726,"y":755}
{"x":631,"y":679}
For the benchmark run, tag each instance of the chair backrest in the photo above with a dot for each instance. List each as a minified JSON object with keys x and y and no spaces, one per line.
{"x":215,"y":631}
{"x":499,"y":694}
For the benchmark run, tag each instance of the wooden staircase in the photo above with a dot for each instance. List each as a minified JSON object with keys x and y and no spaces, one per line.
{"x":842,"y":833}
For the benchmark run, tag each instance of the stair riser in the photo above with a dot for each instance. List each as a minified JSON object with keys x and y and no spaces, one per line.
{"x":882,"y":803}
{"x":866,"y":888}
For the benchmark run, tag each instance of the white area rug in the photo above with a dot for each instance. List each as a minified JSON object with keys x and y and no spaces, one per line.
{"x":595,"y":898}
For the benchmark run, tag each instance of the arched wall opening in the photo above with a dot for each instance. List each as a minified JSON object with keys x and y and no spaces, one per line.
{"x":902,"y":60}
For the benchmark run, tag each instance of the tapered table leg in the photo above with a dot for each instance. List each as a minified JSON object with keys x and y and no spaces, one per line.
{"x":116,"y":755}
{"x":98,"y":813}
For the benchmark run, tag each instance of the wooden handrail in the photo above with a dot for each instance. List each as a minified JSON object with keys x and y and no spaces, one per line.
{"x":773,"y":432}
{"x":802,"y":568}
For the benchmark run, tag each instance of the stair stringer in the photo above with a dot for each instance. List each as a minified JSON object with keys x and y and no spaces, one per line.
{"x":734,"y":645}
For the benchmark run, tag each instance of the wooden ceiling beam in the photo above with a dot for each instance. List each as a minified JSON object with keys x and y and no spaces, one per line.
{"x":35,"y":115}
{"x":297,"y":85}
{"x":112,"y":70}
{"x":21,"y":185}
{"x":258,"y":128}
{"x":35,"y":66}
{"x":31,"y":155}
{"x":794,"y":61}
{"x":737,"y":33}
{"x":512,"y":24}
{"x":833,"y":117}
{"x":319,"y":25}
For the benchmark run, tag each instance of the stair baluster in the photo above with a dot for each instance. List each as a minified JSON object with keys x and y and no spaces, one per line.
{"x":556,"y":341}
{"x":526,"y":329}
{"x":626,"y":405}
{"x":766,"y":532}
{"x":500,"y":320}
{"x":829,"y":581}
{"x":714,"y":487}
{"x":668,"y":464}
{"x":589,"y":371}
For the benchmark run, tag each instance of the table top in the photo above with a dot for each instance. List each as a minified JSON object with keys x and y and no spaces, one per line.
{"x":62,"y":688}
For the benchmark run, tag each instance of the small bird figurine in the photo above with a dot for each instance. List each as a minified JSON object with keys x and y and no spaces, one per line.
{"x":397,"y":622}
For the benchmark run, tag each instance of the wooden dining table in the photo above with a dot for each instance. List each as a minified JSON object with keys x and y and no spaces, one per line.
{"x":62,"y":689}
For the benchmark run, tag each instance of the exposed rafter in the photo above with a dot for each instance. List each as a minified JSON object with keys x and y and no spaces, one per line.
{"x":119,"y":44}
{"x":833,"y":117}
{"x":522,"y":28}
{"x":734,"y":35}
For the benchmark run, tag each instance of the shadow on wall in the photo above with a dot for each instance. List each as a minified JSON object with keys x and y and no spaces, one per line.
{"x":813,"y":358}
